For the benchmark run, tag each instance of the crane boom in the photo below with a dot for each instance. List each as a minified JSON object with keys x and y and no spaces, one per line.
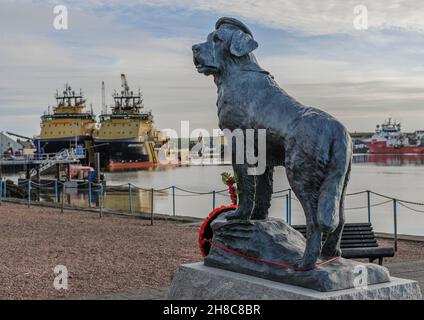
{"x":124,"y":83}
{"x":18,"y":135}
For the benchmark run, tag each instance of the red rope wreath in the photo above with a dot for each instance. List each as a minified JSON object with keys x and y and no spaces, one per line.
{"x":206,"y":233}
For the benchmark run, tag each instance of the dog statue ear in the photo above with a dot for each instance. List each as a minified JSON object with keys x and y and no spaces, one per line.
{"x":242,"y":43}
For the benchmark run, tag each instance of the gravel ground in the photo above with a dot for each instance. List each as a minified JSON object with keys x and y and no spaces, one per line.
{"x":407,"y":250}
{"x":102,"y":256}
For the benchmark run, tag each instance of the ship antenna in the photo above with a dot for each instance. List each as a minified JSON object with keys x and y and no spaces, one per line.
{"x":140,"y":98}
{"x":104,"y":111}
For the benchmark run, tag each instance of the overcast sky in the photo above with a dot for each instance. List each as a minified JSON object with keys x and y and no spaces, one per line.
{"x":310,"y":46}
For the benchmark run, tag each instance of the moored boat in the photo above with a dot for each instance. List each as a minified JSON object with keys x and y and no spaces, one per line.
{"x":389,"y":139}
{"x":69,"y":126}
{"x":127,"y":138}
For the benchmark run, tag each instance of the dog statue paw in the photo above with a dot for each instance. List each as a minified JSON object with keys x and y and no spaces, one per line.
{"x":259,"y":214}
{"x":238,"y":214}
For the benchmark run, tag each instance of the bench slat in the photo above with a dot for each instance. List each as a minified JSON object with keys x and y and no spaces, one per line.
{"x":347,"y":225}
{"x":367,"y":235}
{"x":367,"y":253}
{"x":362,"y":245}
{"x":352,"y":229}
{"x":358,"y":241}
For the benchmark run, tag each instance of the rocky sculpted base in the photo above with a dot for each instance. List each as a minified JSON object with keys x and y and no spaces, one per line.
{"x":262,"y":248}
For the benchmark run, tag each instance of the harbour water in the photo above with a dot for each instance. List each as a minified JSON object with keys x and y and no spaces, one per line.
{"x":400,"y":177}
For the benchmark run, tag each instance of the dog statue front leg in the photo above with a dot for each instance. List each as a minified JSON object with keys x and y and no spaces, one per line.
{"x":263,"y":194}
{"x":246,"y":188}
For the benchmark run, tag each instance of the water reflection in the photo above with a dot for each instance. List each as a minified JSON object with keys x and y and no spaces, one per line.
{"x":389,"y":159}
{"x":400,"y":176}
{"x":120,"y":199}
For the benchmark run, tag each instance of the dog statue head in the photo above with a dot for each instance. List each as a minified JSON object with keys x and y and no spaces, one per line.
{"x":231,"y":44}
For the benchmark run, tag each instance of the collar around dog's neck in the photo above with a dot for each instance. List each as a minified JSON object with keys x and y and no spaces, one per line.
{"x":219,"y":80}
{"x":256,"y":70}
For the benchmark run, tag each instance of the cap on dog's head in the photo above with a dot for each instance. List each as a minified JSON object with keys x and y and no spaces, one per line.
{"x":232,"y":39}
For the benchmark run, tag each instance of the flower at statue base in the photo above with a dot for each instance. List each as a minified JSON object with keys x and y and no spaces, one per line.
{"x":230,"y":181}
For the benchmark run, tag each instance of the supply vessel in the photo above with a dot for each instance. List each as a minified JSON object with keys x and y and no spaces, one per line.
{"x":389,"y":139}
{"x":127,"y":138}
{"x":68,"y":126}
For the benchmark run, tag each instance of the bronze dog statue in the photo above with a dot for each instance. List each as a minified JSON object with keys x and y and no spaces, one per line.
{"x":314,"y":147}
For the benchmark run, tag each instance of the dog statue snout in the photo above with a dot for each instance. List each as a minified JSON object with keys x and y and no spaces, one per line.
{"x":195,"y":48}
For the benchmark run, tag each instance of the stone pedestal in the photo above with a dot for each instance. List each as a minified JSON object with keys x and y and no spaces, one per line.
{"x":199,"y":282}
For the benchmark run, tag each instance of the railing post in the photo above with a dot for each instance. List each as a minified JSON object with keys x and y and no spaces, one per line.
{"x":63,"y":196}
{"x":369,"y":205}
{"x":130,"y":197}
{"x":395,"y":235}
{"x":173,"y":201}
{"x":290,"y":206}
{"x":29,"y":193}
{"x":90,"y":196}
{"x":152,"y":206}
{"x":287,"y":209}
{"x":56,"y":195}
{"x":101,"y":201}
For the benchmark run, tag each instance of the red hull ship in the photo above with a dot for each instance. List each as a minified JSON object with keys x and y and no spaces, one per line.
{"x":389,"y":139}
{"x":381,"y":147}
{"x":124,"y":166}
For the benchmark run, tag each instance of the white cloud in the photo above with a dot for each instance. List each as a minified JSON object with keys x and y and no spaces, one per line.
{"x":35,"y":60}
{"x":309,"y":16}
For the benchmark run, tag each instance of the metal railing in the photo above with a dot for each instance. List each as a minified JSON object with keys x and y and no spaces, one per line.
{"x":71,"y":154}
{"x":99,"y":192}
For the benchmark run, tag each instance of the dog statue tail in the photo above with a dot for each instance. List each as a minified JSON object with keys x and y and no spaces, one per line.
{"x":332,"y":191}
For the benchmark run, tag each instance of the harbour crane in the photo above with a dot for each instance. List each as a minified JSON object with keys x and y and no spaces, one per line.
{"x":19,"y":136}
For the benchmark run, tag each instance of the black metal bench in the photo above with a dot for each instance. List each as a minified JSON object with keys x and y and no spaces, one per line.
{"x":358,"y":241}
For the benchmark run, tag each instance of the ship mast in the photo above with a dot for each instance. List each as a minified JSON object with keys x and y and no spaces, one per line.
{"x":104,"y":108}
{"x":69,"y":98}
{"x":126,"y":102}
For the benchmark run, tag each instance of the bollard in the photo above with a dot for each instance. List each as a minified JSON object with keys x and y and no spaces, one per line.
{"x":369,"y":205}
{"x":173,"y":201}
{"x":130,"y":197}
{"x":395,"y":235}
{"x":56,"y":195}
{"x":213,"y":199}
{"x":29,"y":193}
{"x":101,"y":201}
{"x":152,"y":207}
{"x":290,"y":206}
{"x":1,"y":189}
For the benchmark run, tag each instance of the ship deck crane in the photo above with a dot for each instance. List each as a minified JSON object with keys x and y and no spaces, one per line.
{"x":19,"y":136}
